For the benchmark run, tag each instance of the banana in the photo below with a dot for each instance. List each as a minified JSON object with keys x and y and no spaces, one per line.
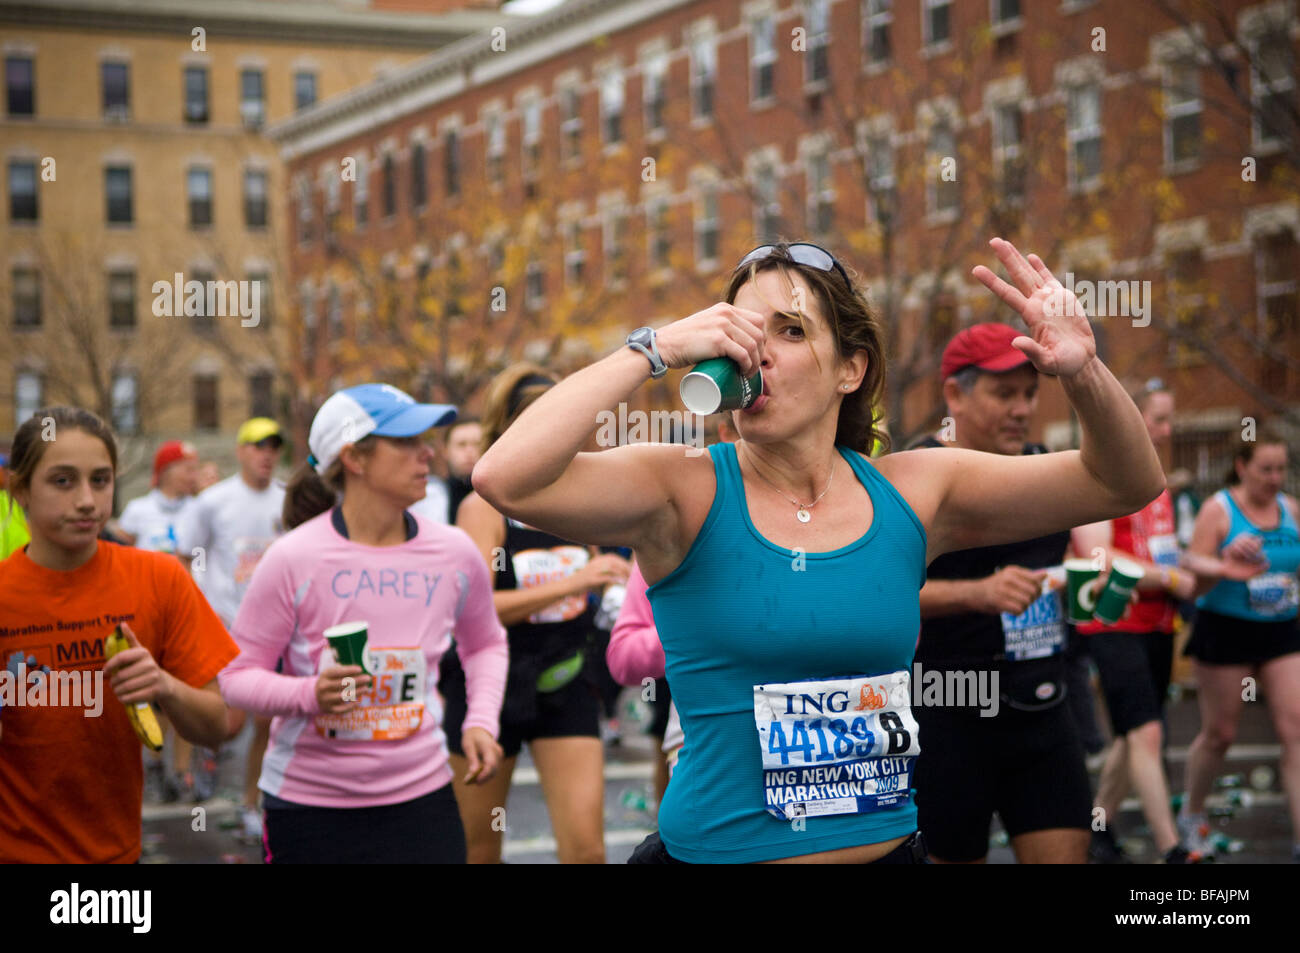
{"x":142,"y":716}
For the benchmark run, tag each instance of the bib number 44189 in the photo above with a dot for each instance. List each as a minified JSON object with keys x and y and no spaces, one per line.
{"x":821,"y":740}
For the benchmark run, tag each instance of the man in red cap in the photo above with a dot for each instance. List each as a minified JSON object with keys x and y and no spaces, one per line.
{"x":992,"y":610}
{"x":149,"y":522}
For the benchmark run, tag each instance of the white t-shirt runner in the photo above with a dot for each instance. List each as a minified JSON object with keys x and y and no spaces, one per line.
{"x":153,"y":520}
{"x":233,"y":524}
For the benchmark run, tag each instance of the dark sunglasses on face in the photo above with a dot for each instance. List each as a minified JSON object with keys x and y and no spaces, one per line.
{"x":801,"y":253}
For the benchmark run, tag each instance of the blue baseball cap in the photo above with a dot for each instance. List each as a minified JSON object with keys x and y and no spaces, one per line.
{"x":379,"y":409}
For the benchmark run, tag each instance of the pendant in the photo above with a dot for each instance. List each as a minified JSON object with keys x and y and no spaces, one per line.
{"x":804,"y":515}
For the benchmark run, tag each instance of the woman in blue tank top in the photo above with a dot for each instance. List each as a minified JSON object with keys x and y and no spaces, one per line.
{"x":1245,"y":551}
{"x":785,"y":570}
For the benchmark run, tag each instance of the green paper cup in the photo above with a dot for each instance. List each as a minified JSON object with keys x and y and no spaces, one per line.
{"x":1080,"y":594}
{"x":348,"y":640}
{"x":717,"y":385}
{"x":1124,"y":576}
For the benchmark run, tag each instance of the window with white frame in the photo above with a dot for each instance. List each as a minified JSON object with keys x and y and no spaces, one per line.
{"x":1004,"y":13}
{"x":451,"y":161}
{"x":575,"y":255}
{"x":252,"y":105}
{"x":531,"y":138}
{"x":767,"y":202}
{"x":1083,"y":134}
{"x":494,"y":131}
{"x":26,"y":289}
{"x":198,"y":186}
{"x":255,"y":200}
{"x":704,"y":70}
{"x":943,"y":192}
{"x":877,"y":20}
{"x":116,"y":81}
{"x":361,"y":192}
{"x":654,"y":91}
{"x":707,"y":225}
{"x":1272,"y":86}
{"x":762,"y":57}
{"x":817,"y":21}
{"x":29,"y":395}
{"x":820,"y":192}
{"x":571,"y":122}
{"x":121,"y":299}
{"x":126,"y":408}
{"x":658,"y":239}
{"x":882,"y":185}
{"x":388,"y":185}
{"x":611,"y":106}
{"x":1008,"y":160}
{"x":936,"y":21}
{"x":1182,"y":96}
{"x":419,"y":176}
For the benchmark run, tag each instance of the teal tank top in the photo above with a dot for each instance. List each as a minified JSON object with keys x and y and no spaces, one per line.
{"x":739,"y":612}
{"x":1271,"y":596}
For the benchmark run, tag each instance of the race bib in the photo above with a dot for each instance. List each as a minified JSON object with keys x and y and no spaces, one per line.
{"x":1037,"y":632}
{"x":535,"y":567}
{"x":1274,"y":594}
{"x":248,"y":552}
{"x":1163,"y":550}
{"x":391,"y":709}
{"x":837,"y":746}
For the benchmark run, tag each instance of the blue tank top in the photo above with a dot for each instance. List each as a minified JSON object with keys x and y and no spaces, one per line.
{"x":740,"y":612}
{"x":1271,"y":596}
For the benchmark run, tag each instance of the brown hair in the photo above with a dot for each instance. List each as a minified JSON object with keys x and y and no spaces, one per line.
{"x":29,"y":443}
{"x":458,"y":422}
{"x":309,"y":494}
{"x":1266,"y":433}
{"x":854,"y":327}
{"x":509,"y":394}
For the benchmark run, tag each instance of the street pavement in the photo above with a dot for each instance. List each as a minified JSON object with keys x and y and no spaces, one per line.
{"x":1257,"y":827}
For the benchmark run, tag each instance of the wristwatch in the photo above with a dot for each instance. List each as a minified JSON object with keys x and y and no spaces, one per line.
{"x":643,"y":340}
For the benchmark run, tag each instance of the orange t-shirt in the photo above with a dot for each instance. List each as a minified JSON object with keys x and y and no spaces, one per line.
{"x":71,"y":786}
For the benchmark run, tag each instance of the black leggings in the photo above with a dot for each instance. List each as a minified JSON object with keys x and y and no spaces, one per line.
{"x":426,"y":830}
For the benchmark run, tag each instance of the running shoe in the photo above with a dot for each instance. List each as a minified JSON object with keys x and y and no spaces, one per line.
{"x":176,"y":787}
{"x":1178,"y":854}
{"x":1104,"y":849}
{"x":250,"y":825}
{"x":1194,"y":832}
{"x":205,"y":774}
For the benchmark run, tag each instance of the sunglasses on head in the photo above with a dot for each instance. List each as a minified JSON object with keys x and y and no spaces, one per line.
{"x":801,"y":253}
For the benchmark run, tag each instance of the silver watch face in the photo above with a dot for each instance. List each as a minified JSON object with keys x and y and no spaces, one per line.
{"x":642,"y":336}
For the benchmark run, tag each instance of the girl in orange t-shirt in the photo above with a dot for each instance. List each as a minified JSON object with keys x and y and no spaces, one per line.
{"x":71,"y":777}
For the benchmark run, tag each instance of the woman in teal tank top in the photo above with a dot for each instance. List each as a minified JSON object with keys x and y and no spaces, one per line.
{"x":1245,"y":551}
{"x":785,"y":571}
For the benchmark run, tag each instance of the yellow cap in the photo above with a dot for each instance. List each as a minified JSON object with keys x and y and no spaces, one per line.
{"x":257,"y":428}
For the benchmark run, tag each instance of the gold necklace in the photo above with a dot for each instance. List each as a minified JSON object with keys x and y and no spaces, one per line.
{"x":802,"y":513}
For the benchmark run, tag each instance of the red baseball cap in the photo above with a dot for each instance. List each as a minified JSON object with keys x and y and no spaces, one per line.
{"x":169,"y":453}
{"x":986,"y":346}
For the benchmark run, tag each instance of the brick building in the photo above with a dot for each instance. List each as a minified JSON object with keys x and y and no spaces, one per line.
{"x":543,"y":187}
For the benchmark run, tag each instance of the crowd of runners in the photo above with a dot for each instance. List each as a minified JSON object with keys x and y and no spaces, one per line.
{"x":802,"y":602}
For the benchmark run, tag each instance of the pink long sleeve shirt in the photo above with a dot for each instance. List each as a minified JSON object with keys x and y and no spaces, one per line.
{"x":413,"y":597}
{"x":635,"y":651}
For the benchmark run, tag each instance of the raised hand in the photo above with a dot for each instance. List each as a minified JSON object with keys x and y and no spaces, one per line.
{"x":1060,"y":340}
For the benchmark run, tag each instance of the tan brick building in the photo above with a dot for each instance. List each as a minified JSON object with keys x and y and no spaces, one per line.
{"x":622,"y":154}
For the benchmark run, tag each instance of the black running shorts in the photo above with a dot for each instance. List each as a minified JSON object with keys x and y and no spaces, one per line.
{"x":1134,"y":669}
{"x":1027,"y":766}
{"x":1222,"y":640}
{"x":572,"y":711}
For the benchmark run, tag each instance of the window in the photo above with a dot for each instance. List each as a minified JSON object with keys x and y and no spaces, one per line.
{"x":612,"y":239}
{"x":657,"y":233}
{"x":1182,"y":113}
{"x":252,"y":110}
{"x":260,"y":400}
{"x":115,"y":79}
{"x":882,"y":186}
{"x":821,"y":195}
{"x":936,"y":21}
{"x":388,"y":186}
{"x":767,"y":203}
{"x":29,"y":395}
{"x":22,"y":192}
{"x":304,"y":89}
{"x":306,"y":214}
{"x":260,"y":285}
{"x":198,"y":186}
{"x":1272,"y":87}
{"x":1276,"y":268}
{"x":451,"y":161}
{"x":419,"y":177}
{"x":534,"y":285}
{"x":877,"y":16}
{"x":1083,"y":134}
{"x":654,"y":91}
{"x":361,"y":192}
{"x":944,"y":194}
{"x":571,"y":122}
{"x":706,"y":227}
{"x":531,"y":139}
{"x":121,"y":299}
{"x":575,"y":256}
{"x":816,"y":63}
{"x":26,"y":284}
{"x":1008,"y":163}
{"x":1004,"y":13}
{"x":196,"y":94}
{"x":126,"y":418}
{"x":206,"y":411}
{"x":494,"y":129}
{"x":704,"y":68}
{"x":762,"y":58}
{"x":611,"y":106}
{"x":19,"y":85}
{"x":117,"y":188}
{"x":254,"y":198}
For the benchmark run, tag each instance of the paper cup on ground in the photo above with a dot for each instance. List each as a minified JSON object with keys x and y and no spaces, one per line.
{"x":1082,"y":597}
{"x":348,"y":640}
{"x":717,"y":385}
{"x":1124,"y":576}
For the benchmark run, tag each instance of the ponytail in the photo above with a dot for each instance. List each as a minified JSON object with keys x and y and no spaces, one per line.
{"x":308,"y":494}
